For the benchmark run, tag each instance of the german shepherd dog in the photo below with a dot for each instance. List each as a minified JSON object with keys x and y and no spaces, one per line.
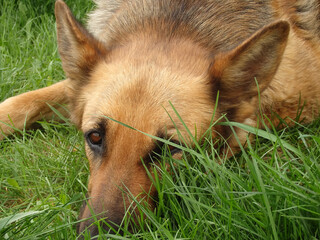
{"x":139,"y":57}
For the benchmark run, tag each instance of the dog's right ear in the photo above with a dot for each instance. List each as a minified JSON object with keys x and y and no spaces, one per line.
{"x":79,"y":50}
{"x":257,"y":58}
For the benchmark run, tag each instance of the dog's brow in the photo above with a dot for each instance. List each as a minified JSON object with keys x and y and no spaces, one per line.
{"x":103,"y":123}
{"x":99,"y":124}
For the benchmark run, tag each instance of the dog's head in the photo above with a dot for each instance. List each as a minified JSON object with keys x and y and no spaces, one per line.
{"x":134,"y":83}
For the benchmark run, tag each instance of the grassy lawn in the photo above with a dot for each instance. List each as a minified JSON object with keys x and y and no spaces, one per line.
{"x":271,"y":190}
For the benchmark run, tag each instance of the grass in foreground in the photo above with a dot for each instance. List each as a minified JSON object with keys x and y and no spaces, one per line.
{"x":271,"y":190}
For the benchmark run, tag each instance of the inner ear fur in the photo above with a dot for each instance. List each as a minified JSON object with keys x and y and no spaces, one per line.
{"x":258,"y":57}
{"x":78,"y":49}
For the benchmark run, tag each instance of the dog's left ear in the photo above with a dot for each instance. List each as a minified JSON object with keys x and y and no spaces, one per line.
{"x":258,"y":57}
{"x":79,"y":50}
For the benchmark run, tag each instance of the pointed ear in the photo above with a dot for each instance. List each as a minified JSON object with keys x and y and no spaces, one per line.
{"x":78,"y":49}
{"x":258,"y":57}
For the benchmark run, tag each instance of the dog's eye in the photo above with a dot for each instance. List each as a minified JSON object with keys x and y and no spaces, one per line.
{"x":174,"y":150}
{"x":95,"y":138}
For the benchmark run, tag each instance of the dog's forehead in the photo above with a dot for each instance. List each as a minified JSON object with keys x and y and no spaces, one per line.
{"x":147,"y":94}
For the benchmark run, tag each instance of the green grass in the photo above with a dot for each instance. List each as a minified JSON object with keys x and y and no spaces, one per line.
{"x":271,"y":190}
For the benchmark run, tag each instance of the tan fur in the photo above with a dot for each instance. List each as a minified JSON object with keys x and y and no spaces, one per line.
{"x":23,"y":110}
{"x":139,"y":56}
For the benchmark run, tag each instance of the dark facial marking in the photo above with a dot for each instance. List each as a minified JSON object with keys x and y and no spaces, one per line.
{"x":158,"y":149}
